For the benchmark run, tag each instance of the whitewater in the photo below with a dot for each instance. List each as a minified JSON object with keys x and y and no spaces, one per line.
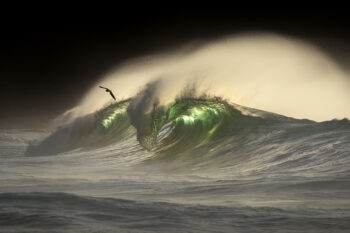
{"x":196,"y":161}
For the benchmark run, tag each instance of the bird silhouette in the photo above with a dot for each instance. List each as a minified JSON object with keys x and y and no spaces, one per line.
{"x":108,"y":90}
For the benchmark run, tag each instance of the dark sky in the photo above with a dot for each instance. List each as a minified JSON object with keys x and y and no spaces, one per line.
{"x":47,"y":62}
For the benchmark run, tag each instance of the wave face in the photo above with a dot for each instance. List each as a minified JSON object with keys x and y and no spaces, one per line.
{"x":193,"y":123}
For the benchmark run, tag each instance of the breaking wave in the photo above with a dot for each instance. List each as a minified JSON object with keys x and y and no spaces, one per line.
{"x":206,"y":133}
{"x":184,"y":125}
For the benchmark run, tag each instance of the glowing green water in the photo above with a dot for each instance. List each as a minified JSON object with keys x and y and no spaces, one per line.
{"x":114,"y":112}
{"x":194,"y":122}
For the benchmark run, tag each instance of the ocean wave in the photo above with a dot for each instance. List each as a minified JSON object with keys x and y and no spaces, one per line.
{"x":208,"y":133}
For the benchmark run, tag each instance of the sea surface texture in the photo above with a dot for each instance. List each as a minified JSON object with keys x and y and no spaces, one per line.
{"x":196,"y":165}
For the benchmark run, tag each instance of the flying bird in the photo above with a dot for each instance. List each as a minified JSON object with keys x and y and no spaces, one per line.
{"x":110,"y":92}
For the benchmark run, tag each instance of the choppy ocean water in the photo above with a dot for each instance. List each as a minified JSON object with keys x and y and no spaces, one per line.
{"x":199,"y":166}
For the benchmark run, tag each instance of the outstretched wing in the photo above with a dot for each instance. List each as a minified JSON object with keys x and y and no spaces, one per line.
{"x":112,"y":95}
{"x":110,"y":92}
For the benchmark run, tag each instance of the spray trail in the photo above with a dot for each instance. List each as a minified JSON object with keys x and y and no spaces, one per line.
{"x":278,"y":74}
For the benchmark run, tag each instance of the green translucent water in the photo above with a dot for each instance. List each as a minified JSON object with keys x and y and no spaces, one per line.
{"x":194,"y":123}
